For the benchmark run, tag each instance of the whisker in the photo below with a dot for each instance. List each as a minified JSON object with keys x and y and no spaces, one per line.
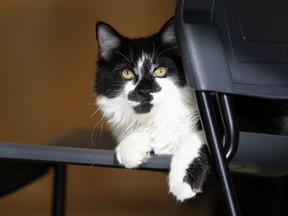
{"x":123,"y":56}
{"x":94,"y":113}
{"x":165,"y":59}
{"x":130,"y":53}
{"x":103,"y":123}
{"x":166,"y":50}
{"x":123,"y":65}
{"x":158,"y":49}
{"x":93,"y":129}
{"x":153,"y":52}
{"x":91,"y":166}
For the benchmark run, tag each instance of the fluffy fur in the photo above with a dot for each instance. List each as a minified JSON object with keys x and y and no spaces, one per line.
{"x":149,"y":113}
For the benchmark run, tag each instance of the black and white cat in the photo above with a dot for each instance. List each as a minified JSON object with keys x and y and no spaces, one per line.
{"x":142,"y":93}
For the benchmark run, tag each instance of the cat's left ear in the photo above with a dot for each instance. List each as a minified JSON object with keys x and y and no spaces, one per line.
{"x":167,"y":33}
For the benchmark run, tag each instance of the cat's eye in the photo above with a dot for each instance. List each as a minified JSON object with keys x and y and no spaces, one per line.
{"x":127,"y":74}
{"x":160,"y":72}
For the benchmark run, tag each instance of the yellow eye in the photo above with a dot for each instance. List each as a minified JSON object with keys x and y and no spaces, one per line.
{"x":127,"y":74}
{"x":160,"y":72}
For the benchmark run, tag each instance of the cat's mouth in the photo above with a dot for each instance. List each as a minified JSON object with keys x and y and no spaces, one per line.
{"x":141,"y":103}
{"x":143,"y":108}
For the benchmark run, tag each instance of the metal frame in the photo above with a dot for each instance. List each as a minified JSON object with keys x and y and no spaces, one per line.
{"x":216,"y":147}
{"x":59,"y":192}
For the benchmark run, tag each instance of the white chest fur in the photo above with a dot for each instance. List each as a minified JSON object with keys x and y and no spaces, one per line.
{"x":170,"y":121}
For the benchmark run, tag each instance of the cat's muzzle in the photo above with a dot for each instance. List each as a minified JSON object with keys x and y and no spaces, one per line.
{"x":143,"y":108}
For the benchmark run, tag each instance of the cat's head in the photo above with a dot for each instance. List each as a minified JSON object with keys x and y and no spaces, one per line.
{"x":139,"y":71}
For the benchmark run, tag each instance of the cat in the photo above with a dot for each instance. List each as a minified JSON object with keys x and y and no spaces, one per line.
{"x":142,"y":92}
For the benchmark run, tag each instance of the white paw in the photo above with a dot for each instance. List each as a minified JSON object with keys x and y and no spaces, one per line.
{"x":182,"y":191}
{"x":134,"y":150}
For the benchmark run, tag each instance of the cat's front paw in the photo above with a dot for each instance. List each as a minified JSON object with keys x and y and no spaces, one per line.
{"x":182,"y":191}
{"x":134,"y":150}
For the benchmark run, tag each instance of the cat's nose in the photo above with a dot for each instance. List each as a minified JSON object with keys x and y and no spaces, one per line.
{"x":147,"y":87}
{"x":144,"y":90}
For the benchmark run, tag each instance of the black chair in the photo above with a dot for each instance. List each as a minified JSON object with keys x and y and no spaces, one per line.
{"x":22,"y":163}
{"x":236,"y":47}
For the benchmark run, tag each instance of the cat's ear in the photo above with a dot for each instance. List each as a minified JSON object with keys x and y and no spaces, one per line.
{"x":167,"y":33}
{"x":108,"y":40}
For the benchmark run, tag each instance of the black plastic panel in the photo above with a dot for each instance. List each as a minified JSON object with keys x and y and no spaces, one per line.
{"x":228,"y":53}
{"x":264,"y":21}
{"x":257,"y":33}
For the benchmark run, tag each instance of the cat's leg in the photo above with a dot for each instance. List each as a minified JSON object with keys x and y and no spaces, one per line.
{"x":197,"y":172}
{"x":187,"y":152}
{"x":134,"y":149}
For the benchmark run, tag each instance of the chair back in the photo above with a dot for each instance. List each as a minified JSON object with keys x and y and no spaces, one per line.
{"x":235,"y":46}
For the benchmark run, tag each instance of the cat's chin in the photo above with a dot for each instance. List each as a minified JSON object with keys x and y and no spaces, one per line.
{"x":143,"y":108}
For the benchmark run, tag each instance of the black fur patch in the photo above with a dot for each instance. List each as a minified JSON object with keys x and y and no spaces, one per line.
{"x":198,"y":169}
{"x":143,"y":108}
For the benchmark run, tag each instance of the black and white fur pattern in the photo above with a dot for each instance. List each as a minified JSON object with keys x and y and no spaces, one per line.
{"x":150,"y":114}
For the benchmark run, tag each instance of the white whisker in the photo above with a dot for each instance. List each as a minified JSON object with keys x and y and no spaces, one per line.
{"x":123,"y":65}
{"x":123,"y":56}
{"x":93,"y":129}
{"x":91,"y":166}
{"x":166,"y":50}
{"x":95,"y":112}
{"x":158,"y":49}
{"x":130,"y":53}
{"x":153,"y":52}
{"x":165,"y":59}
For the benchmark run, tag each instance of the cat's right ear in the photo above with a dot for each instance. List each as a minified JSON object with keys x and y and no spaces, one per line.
{"x":108,"y":40}
{"x":167,"y":33}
